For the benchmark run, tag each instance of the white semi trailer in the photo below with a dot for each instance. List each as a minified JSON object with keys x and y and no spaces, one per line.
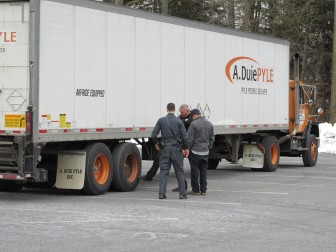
{"x":78,"y":78}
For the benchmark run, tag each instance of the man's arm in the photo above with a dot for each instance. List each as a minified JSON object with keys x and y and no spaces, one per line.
{"x":191,"y":135}
{"x":212,"y":136}
{"x":156,"y":131}
{"x":183,"y":135}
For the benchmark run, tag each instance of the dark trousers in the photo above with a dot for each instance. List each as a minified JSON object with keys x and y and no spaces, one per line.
{"x":198,"y":172}
{"x":171,"y":156}
{"x":155,"y":166}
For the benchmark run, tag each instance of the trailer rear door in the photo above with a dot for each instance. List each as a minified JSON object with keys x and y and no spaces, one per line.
{"x":14,"y":65}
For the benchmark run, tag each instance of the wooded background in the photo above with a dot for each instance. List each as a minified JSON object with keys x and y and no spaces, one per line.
{"x":307,"y":24}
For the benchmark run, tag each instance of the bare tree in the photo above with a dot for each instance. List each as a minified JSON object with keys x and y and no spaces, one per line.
{"x":119,"y":2}
{"x":231,"y":14}
{"x":332,"y":118}
{"x":134,"y":2}
{"x":247,"y":15}
{"x":164,"y":7}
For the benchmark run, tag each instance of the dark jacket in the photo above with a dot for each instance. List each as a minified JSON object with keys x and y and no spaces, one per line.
{"x":186,"y":121}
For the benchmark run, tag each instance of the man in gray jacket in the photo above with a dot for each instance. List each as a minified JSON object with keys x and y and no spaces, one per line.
{"x":201,"y":138}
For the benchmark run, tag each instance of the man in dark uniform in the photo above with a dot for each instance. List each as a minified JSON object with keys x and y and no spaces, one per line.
{"x":186,"y":118}
{"x":172,"y":132}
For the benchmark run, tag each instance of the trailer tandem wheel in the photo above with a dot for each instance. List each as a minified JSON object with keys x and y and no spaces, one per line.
{"x":272,"y":153}
{"x":10,"y":186}
{"x":309,"y":156}
{"x":127,"y":167}
{"x":99,"y":171}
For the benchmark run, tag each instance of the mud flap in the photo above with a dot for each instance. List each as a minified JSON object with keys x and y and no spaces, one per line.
{"x":71,"y":170}
{"x":253,"y":157}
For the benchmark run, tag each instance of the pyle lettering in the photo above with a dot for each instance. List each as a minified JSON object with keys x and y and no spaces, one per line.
{"x":7,"y":37}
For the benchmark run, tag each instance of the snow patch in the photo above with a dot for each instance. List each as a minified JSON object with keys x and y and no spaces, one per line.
{"x":327,"y":138}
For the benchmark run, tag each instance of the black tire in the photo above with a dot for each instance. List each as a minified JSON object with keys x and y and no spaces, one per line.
{"x":213,"y":164}
{"x":272,"y":153}
{"x":99,"y":169}
{"x":10,"y":186}
{"x":309,"y":156}
{"x":127,"y":167}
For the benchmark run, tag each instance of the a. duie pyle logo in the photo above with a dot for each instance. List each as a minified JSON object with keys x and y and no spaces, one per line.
{"x":8,"y":37}
{"x":250,"y":70}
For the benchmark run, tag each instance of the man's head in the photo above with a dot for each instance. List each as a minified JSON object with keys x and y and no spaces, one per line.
{"x":195,"y":113}
{"x":171,"y":107}
{"x":184,"y":110}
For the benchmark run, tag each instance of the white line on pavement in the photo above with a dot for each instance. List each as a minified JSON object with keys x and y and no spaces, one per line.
{"x":255,"y":192}
{"x":289,"y":162}
{"x":311,"y":177}
{"x":272,"y":175}
{"x":270,"y":183}
{"x":304,"y":171}
{"x":65,"y":222}
{"x":123,"y":217}
{"x":280,"y":193}
{"x":184,"y":201}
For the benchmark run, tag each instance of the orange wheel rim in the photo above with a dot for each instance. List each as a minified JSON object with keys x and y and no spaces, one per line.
{"x":313,"y":150}
{"x":274,"y":154}
{"x":131,"y":168}
{"x":101,"y":169}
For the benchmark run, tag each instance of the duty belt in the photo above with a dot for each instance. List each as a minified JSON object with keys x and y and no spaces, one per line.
{"x":170,"y":143}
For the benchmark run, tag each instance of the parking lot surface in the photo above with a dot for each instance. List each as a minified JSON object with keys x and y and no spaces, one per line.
{"x":292,"y":209}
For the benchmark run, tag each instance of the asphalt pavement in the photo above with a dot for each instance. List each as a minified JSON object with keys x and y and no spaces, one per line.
{"x":292,"y":209}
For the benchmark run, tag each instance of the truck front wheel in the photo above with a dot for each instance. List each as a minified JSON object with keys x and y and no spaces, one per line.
{"x":127,"y":164}
{"x":99,"y":172}
{"x":272,"y":153}
{"x":309,"y":156}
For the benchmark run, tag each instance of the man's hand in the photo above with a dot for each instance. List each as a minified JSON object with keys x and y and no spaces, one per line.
{"x":185,"y":153}
{"x":157,"y":146}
